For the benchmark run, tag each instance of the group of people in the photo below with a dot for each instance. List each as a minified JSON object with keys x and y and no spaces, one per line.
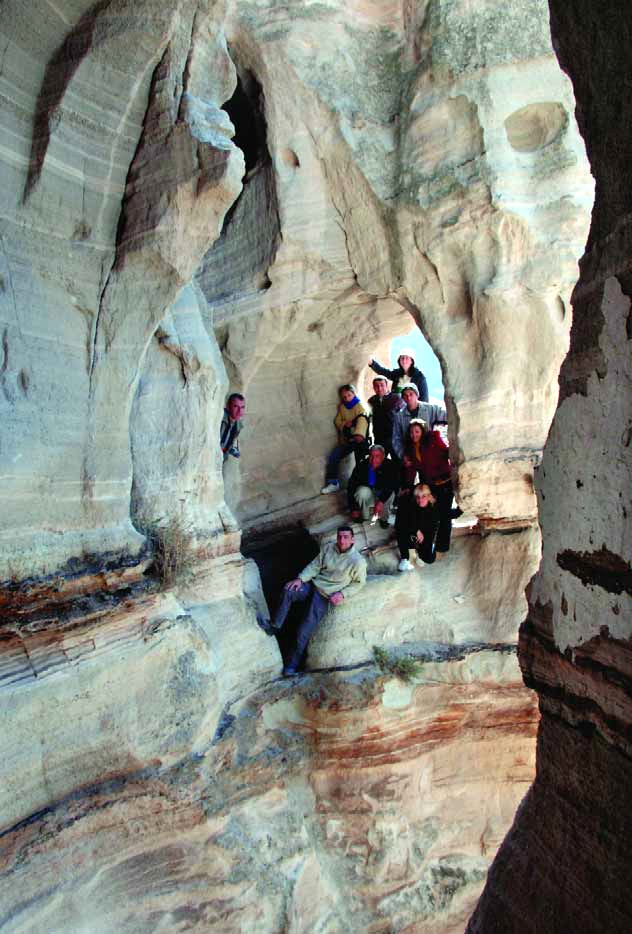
{"x":406,"y":471}
{"x":402,"y":477}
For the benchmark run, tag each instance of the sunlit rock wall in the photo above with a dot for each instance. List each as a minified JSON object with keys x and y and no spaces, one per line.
{"x":570,"y":840}
{"x":425,"y":159}
{"x":118,"y":170}
{"x":398,"y":163}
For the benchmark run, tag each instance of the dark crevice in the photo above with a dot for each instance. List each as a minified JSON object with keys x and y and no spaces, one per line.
{"x":246,"y":110}
{"x":281,"y":558}
{"x":238,"y":262}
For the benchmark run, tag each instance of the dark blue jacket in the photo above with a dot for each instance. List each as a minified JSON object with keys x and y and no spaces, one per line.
{"x":386,"y":481}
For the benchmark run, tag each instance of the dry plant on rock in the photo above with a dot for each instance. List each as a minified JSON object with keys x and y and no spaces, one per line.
{"x":404,"y":667}
{"x":174,"y":555}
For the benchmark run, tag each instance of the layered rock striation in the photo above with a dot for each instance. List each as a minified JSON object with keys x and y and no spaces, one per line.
{"x":347,"y":802}
{"x":565,"y":864}
{"x":209,"y":195}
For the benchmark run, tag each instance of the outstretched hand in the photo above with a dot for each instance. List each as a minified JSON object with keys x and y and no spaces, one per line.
{"x":370,"y":360}
{"x":336,"y":598}
{"x":294,"y":584}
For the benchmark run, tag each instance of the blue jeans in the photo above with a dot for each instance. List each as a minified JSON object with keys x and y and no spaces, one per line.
{"x":339,"y":453}
{"x":316,"y":609}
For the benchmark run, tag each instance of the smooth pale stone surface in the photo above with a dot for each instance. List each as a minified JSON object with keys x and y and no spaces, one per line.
{"x":118,"y":170}
{"x":423,"y":201}
{"x":183,"y":786}
{"x":574,"y":477}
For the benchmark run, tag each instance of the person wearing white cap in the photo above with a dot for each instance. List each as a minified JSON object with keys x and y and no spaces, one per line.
{"x":405,"y":372}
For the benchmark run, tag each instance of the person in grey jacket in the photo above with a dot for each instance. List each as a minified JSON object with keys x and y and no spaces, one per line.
{"x":337,"y":572}
{"x":431,"y":414}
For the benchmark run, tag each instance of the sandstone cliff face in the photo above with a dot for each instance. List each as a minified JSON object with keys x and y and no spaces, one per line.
{"x":344,"y":804}
{"x":426,"y":164}
{"x":258,"y":196}
{"x":569,"y":843}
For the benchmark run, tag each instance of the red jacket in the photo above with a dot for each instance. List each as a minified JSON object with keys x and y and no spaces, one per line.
{"x":434,"y":463}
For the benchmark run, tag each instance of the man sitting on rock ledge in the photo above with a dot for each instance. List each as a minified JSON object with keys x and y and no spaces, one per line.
{"x":371,"y":486}
{"x":337,"y":573}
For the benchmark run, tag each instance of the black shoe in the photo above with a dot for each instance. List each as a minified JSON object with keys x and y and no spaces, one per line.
{"x":290,"y":672}
{"x":266,"y":625}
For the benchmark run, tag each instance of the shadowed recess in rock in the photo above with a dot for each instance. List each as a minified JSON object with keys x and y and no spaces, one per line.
{"x":59,"y":73}
{"x":239,"y":261}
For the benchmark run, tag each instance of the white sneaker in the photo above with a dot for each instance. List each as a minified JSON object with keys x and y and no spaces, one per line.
{"x":332,"y":487}
{"x":404,"y":565}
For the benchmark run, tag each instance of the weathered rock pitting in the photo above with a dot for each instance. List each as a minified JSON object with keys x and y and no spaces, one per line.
{"x":565,"y":864}
{"x":403,"y":162}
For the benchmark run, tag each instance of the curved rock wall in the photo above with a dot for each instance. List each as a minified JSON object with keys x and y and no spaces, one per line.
{"x":569,"y":842}
{"x":398,"y":160}
{"x":425,"y":156}
{"x":119,"y":171}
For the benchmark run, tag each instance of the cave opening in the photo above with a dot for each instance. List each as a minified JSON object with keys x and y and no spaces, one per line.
{"x":237,"y":263}
{"x":280,"y":557}
{"x":246,"y":109}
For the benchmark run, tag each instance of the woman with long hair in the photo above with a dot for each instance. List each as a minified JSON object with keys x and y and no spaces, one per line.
{"x":427,"y":455}
{"x":404,"y":372}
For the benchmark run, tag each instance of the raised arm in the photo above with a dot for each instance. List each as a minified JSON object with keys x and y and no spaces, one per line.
{"x":382,"y":370}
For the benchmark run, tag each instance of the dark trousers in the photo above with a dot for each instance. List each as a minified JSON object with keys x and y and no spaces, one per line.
{"x":444,"y":495}
{"x":317,"y":606}
{"x":340,"y":452}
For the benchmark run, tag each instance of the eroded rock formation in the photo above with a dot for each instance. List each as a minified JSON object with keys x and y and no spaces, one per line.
{"x":205,"y":195}
{"x":565,"y":865}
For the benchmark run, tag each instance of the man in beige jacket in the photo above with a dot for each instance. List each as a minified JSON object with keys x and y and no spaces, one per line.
{"x":337,"y":573}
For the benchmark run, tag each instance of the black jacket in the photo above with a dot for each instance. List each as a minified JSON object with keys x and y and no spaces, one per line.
{"x":383,"y":410}
{"x":411,"y":518}
{"x":386,"y":481}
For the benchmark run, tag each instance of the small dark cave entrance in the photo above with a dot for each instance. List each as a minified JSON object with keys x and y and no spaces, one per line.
{"x":246,"y":109}
{"x":281,"y":557}
{"x":239,"y":260}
